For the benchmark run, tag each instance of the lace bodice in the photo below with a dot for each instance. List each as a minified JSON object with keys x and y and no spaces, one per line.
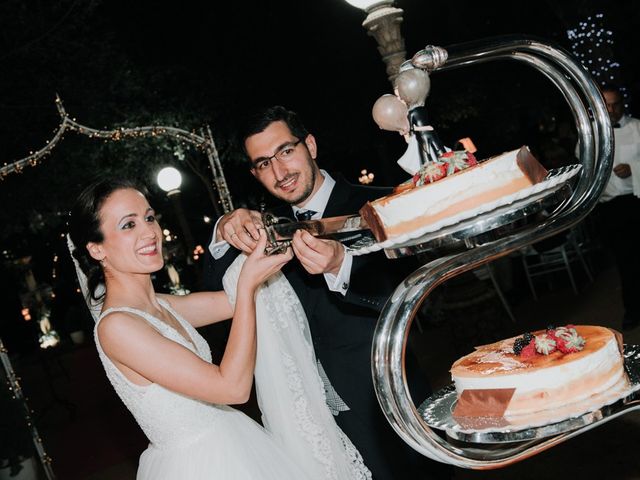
{"x":166,"y":417}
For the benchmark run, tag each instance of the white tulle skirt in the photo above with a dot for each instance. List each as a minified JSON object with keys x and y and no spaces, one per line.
{"x":238,"y":449}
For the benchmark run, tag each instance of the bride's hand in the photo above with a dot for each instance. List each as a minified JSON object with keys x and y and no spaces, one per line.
{"x":259,"y":266}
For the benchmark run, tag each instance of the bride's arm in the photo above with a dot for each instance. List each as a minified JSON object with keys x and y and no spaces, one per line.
{"x":202,"y":308}
{"x":131,"y":343}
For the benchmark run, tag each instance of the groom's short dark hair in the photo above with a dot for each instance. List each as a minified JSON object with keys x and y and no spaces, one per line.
{"x":258,"y":120}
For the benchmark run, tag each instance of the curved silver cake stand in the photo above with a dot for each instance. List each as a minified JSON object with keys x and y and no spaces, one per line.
{"x":486,"y":238}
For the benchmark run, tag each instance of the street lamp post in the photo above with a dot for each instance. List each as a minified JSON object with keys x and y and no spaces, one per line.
{"x":383,"y":23}
{"x":169,"y":179}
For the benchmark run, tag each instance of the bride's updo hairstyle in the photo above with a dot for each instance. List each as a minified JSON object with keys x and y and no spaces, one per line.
{"x":84,"y":225}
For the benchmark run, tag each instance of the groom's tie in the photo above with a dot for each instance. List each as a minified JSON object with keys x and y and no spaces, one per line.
{"x":303,"y":215}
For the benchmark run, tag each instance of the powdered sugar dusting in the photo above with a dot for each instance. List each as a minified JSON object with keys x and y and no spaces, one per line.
{"x":503,"y":361}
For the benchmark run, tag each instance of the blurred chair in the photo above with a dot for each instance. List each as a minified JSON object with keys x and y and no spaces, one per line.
{"x":487,"y":271}
{"x":539,"y":261}
{"x":587,"y":238}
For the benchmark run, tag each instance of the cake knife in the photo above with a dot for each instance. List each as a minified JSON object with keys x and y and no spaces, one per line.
{"x":346,"y":229}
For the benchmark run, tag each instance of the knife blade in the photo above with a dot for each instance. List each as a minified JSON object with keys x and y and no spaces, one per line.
{"x":346,"y":229}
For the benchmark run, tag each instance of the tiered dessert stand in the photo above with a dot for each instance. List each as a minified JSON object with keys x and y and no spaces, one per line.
{"x":429,"y":428}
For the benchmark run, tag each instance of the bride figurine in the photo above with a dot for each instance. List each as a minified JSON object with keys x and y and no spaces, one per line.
{"x":161,"y":367}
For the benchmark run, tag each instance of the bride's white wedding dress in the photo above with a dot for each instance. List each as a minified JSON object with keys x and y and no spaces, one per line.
{"x":193,"y":440}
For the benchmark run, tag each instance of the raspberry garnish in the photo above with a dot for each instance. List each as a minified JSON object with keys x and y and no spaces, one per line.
{"x":529,"y":351}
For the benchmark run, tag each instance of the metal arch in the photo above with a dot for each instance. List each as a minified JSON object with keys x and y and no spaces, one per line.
{"x":390,"y":338}
{"x":204,"y":142}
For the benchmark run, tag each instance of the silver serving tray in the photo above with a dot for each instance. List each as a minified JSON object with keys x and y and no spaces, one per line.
{"x":437,"y":410}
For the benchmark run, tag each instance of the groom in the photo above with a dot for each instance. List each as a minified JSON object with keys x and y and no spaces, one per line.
{"x":342,"y":295}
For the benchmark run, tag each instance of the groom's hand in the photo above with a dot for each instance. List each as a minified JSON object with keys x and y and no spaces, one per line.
{"x":240,"y":229}
{"x":317,"y":255}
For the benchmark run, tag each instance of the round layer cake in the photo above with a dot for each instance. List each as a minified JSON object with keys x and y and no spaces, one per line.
{"x":543,"y":370}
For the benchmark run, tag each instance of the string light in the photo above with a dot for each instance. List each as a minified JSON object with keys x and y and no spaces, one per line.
{"x":592,"y":44}
{"x":202,"y":142}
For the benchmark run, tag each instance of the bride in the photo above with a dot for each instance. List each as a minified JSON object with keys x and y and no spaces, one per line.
{"x":161,"y":367}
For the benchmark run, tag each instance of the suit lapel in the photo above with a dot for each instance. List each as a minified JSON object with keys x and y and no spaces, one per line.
{"x":338,"y":203}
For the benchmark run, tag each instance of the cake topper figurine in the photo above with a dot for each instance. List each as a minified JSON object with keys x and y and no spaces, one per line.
{"x":405,"y":112}
{"x":412,"y":87}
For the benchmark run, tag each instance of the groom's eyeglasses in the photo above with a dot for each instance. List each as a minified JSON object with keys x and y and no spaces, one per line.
{"x":287,"y":152}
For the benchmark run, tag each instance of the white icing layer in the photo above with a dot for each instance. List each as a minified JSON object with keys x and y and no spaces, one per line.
{"x":600,"y":362}
{"x":436,"y":197}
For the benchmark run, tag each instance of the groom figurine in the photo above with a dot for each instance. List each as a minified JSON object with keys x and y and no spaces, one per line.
{"x":342,"y":295}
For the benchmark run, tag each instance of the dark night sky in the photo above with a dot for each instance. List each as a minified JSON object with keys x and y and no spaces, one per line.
{"x":313,"y":56}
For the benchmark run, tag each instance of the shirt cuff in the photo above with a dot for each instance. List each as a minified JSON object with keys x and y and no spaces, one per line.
{"x":217,"y":249}
{"x":340,"y":283}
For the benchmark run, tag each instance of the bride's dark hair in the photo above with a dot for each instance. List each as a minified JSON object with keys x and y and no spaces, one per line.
{"x":84,"y":225}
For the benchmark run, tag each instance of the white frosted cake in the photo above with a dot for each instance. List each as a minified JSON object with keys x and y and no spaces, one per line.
{"x":416,"y":206}
{"x":544,"y":370}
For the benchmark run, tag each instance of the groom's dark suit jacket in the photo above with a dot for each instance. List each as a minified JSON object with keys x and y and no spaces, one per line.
{"x":342,"y":328}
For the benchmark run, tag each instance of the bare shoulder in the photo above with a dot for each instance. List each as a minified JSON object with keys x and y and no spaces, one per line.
{"x":115,"y":320}
{"x":119,"y":325}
